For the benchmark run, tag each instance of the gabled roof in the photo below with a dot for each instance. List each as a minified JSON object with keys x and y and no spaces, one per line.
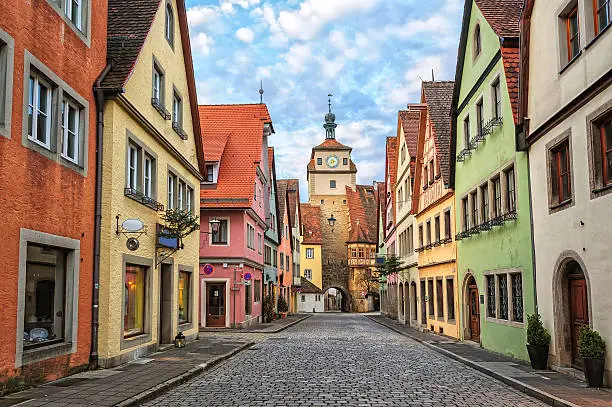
{"x":502,"y":15}
{"x":128,"y":26}
{"x":293,"y":194}
{"x":129,"y":23}
{"x":311,"y":224}
{"x":215,"y":147}
{"x":391,"y":160}
{"x":281,"y":192}
{"x":409,"y":120}
{"x":307,"y":287}
{"x":330,"y":144}
{"x":439,"y":97}
{"x":243,"y":128}
{"x":362,"y":214}
{"x":504,"y":18}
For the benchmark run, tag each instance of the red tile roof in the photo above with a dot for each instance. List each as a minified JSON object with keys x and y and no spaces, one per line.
{"x":439,"y":97}
{"x":307,"y":287}
{"x":243,"y":127}
{"x":410,"y":123}
{"x":215,"y":147}
{"x":281,"y":192}
{"x":311,"y":224}
{"x":293,"y":193}
{"x":270,"y":159}
{"x":511,"y":59}
{"x":391,"y":158}
{"x":502,"y":15}
{"x":330,"y":144}
{"x":362,"y":214}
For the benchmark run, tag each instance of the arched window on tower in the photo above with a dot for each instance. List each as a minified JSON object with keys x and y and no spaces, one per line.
{"x":169,"y":24}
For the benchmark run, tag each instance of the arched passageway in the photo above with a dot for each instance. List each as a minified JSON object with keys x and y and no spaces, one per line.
{"x":337,"y":300}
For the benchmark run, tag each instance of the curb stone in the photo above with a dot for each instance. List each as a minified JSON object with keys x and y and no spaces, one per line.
{"x":278,"y":329}
{"x":169,"y":384}
{"x":518,"y":385}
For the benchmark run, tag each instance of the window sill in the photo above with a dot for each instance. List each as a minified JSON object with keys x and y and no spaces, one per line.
{"x":185,"y":326}
{"x":571,"y":62}
{"x":46,"y":352}
{"x":606,"y":188}
{"x":156,"y":103}
{"x":506,"y":322}
{"x":451,"y":321}
{"x":560,"y":205}
{"x":599,"y":35}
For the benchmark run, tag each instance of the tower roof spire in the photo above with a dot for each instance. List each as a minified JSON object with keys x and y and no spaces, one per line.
{"x":330,"y":118}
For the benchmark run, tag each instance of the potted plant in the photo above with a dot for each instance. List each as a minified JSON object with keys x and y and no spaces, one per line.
{"x":538,"y":341}
{"x":592,"y":350}
{"x":268,"y":309}
{"x":282,"y":307}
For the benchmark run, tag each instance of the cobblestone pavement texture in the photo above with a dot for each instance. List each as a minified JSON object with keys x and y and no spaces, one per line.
{"x":342,"y":360}
{"x":112,"y":386}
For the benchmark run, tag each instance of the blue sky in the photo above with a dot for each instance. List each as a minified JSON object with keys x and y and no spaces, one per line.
{"x":371,"y":54}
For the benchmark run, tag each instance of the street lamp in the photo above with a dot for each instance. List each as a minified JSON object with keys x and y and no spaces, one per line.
{"x":214,"y":225}
{"x":332,"y":221}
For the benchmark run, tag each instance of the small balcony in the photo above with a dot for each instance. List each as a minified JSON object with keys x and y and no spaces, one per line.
{"x":143,"y":199}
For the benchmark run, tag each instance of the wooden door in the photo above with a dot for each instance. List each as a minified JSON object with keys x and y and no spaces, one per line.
{"x":579,"y":313}
{"x":215,"y":305}
{"x":474,"y":314}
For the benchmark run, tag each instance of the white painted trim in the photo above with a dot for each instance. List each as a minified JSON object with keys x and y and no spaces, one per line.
{"x":229,"y":228}
{"x":203,"y":292}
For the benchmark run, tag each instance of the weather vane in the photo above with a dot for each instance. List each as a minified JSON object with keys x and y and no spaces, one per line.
{"x":329,"y":101}
{"x":261,"y":92}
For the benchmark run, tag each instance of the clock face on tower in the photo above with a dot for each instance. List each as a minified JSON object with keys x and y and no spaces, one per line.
{"x":332,"y":161}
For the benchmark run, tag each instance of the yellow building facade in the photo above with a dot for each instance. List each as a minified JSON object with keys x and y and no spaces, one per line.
{"x":152,"y":163}
{"x":435,"y":214}
{"x":311,"y":243}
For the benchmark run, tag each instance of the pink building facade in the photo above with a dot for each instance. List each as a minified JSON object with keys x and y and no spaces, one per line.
{"x":234,"y":214}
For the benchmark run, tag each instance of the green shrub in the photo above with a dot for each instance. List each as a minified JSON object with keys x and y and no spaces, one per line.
{"x":536,"y":333}
{"x":268,"y":308}
{"x":591,"y":343}
{"x":282,"y":304}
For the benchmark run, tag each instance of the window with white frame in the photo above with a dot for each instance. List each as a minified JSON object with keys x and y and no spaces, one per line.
{"x":74,"y":12}
{"x":177,"y":111}
{"x":171,"y":191}
{"x":497,"y":106}
{"x":250,"y":237}
{"x":222,"y":235}
{"x":308,"y":274}
{"x":132,"y":165}
{"x":39,"y":110}
{"x":210,"y":173}
{"x":189,"y":200}
{"x":148,"y":176}
{"x":6,"y":62}
{"x":259,"y":242}
{"x":310,"y":253}
{"x":70,"y":131}
{"x":158,"y":85}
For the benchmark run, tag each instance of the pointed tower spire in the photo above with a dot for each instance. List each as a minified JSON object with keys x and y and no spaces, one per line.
{"x":330,"y":118}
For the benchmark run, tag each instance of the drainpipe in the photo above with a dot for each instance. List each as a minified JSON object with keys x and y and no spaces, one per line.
{"x":99,"y":97}
{"x":533,"y":252}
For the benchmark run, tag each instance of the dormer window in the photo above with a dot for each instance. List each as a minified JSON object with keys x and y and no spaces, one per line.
{"x":477,"y":42}
{"x":210,"y":173}
{"x":169,"y":25}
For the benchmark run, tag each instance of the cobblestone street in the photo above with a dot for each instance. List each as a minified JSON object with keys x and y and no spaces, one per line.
{"x":341,"y":359}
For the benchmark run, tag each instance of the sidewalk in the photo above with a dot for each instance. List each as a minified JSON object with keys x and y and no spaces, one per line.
{"x":134,"y":382}
{"x":553,"y":388}
{"x":266,"y":328}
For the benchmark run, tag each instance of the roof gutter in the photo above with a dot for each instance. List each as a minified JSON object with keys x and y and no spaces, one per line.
{"x":100,"y":99}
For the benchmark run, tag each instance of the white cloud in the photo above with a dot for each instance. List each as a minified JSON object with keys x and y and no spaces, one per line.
{"x":408,"y":90}
{"x":245,"y":34}
{"x":228,"y":8}
{"x":298,"y":57}
{"x":201,"y":15}
{"x":331,"y":68}
{"x":313,"y":15}
{"x":264,"y":72}
{"x":202,"y":43}
{"x":245,"y":4}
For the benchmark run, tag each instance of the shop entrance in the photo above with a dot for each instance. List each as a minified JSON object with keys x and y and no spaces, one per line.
{"x":215,"y":305}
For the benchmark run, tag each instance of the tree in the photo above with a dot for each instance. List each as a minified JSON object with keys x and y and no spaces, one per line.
{"x":179,"y":224}
{"x":367,"y":280}
{"x":392,"y":265}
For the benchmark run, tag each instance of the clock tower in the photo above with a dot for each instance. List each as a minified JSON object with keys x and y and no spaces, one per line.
{"x":330,"y":168}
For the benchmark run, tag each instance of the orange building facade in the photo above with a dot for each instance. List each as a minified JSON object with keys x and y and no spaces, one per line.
{"x":47,"y":184}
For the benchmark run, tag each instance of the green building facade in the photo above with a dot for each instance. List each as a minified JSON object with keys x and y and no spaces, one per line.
{"x":491,"y":181}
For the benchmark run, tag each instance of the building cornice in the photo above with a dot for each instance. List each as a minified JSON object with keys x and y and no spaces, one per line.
{"x":231,"y":262}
